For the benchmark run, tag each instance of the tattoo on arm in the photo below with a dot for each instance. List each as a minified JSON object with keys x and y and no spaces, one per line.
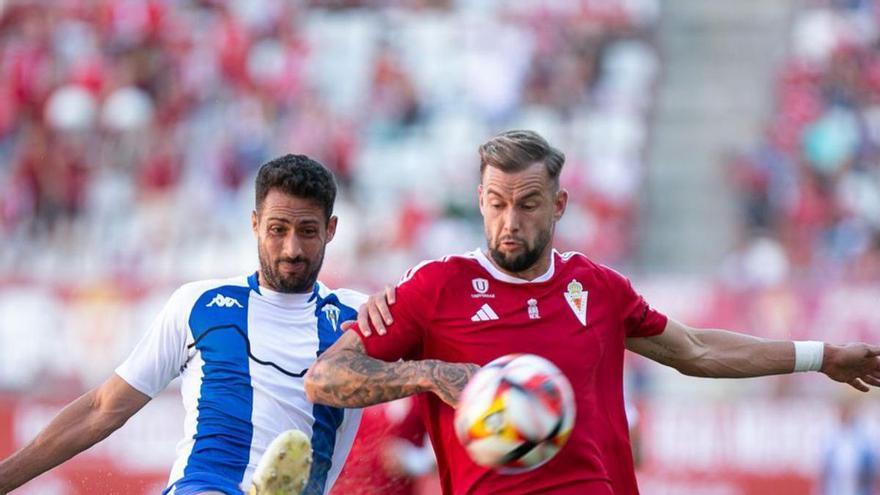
{"x":346,"y":376}
{"x":449,"y":379}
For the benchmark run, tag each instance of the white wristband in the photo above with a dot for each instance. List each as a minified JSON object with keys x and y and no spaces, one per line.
{"x":808,"y":355}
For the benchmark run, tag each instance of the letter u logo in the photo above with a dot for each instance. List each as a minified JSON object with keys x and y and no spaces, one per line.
{"x":481,"y":285}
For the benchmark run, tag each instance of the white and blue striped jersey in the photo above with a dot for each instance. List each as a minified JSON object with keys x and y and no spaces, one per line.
{"x":242,"y":351}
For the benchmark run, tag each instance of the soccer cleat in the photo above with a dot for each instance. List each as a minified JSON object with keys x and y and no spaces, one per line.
{"x":284,"y":467}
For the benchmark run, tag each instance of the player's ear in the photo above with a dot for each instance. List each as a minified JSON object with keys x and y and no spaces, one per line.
{"x":331,"y":228}
{"x":561,"y":203}
{"x":480,"y":196}
{"x":255,"y":221}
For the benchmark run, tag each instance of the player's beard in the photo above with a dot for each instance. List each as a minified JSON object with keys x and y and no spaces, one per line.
{"x":296,"y":283}
{"x":526,"y":259}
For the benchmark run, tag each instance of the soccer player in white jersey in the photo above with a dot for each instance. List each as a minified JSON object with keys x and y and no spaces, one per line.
{"x":241,"y":345}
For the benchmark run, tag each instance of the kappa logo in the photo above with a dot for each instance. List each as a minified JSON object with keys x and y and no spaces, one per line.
{"x":481,"y":286}
{"x":485,"y":313}
{"x":332,"y":314}
{"x":224,"y":302}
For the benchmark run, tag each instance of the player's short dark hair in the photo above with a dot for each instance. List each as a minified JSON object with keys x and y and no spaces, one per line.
{"x":300,"y":176}
{"x":517,"y":150}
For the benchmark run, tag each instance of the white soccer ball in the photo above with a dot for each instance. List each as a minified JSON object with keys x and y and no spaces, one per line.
{"x":516,"y":413}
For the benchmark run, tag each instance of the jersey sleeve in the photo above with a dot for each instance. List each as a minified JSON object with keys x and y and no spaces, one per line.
{"x":412,"y":313}
{"x":161,"y":352}
{"x":639,"y":318}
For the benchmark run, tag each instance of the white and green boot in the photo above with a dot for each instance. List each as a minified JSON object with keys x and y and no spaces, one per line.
{"x":284,"y":467}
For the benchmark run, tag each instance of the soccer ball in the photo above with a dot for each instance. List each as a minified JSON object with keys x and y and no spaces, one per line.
{"x":516,"y":413}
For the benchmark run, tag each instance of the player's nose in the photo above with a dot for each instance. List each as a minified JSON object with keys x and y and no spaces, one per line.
{"x":291,"y":247}
{"x":511,"y":221}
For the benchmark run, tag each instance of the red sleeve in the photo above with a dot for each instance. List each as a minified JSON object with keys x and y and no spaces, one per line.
{"x":639,"y":318}
{"x":412,"y":313}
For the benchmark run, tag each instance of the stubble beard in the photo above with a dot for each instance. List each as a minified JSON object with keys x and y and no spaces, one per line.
{"x":525,"y":260}
{"x":294,"y":283}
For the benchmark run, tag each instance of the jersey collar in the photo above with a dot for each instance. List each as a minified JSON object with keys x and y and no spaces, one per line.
{"x":490,"y":267}
{"x":280,"y":298}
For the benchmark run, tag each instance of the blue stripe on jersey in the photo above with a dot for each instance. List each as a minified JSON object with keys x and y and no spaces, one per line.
{"x":254,"y":282}
{"x":224,"y":431}
{"x":201,"y":483}
{"x":327,"y":419}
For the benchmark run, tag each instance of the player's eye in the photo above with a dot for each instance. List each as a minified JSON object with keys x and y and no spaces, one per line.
{"x":529,"y":206}
{"x":309,"y":232}
{"x":496,"y":206}
{"x":277,"y":230}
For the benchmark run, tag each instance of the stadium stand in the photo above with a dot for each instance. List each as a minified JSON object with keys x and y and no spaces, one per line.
{"x":133,"y":128}
{"x":809,"y":193}
{"x":130,"y":132}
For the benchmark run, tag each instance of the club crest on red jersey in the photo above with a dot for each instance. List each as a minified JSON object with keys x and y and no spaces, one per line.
{"x":576,"y":297}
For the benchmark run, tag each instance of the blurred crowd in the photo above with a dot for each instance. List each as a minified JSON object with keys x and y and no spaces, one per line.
{"x":130,"y":130}
{"x":810,"y":192}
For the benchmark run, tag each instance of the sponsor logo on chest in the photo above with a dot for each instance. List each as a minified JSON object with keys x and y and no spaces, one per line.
{"x":575,"y":297}
{"x":224,"y":302}
{"x":485,"y":313}
{"x":481,"y":289}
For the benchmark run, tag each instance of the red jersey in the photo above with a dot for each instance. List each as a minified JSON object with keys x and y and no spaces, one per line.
{"x":577,"y":315}
{"x":365,"y":471}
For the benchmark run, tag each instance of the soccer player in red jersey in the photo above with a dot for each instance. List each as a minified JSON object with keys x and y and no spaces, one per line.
{"x":388,"y":454}
{"x":521,"y":295}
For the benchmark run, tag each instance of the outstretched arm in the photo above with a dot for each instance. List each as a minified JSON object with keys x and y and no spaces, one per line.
{"x":83,"y":423}
{"x":724,"y":354}
{"x":345,"y":376}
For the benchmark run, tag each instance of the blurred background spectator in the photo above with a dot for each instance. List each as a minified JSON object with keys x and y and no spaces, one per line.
{"x":131,"y":131}
{"x":810,"y":192}
{"x":850,"y":458}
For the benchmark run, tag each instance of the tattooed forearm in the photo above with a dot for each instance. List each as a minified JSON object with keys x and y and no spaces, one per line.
{"x":449,"y":379}
{"x":345,"y":376}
